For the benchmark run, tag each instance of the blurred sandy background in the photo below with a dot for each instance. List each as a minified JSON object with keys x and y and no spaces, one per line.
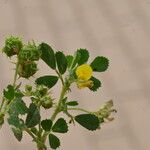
{"x":118,"y":29}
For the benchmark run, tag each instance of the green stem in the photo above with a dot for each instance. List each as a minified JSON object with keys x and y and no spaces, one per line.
{"x":60,"y":76}
{"x":79,"y":109}
{"x":16,"y":72}
{"x":3,"y":100}
{"x":30,"y":133}
{"x":57,"y":110}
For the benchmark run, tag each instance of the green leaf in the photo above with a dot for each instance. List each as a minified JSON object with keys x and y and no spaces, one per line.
{"x":17,"y":133}
{"x":72,"y":103}
{"x":18,"y":107}
{"x":34,"y":130}
{"x":96,"y":84}
{"x":9,"y":93}
{"x":15,"y":121}
{"x":54,"y":141}
{"x":33,"y":117}
{"x":88,"y":121}
{"x":100,"y":64}
{"x":46,"y":124}
{"x":48,"y":81}
{"x":60,"y":126}
{"x":69,"y":60}
{"x":76,"y":59}
{"x":48,"y":55}
{"x":61,"y":62}
{"x":84,"y":56}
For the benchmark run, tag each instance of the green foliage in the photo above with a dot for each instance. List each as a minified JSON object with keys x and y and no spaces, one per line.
{"x":15,"y":121}
{"x":12,"y":46}
{"x":18,"y":107}
{"x":33,"y":116}
{"x":48,"y":55}
{"x":46,"y":124}
{"x":96,"y":84}
{"x":40,"y":95}
{"x":100,"y":64}
{"x":27,"y":69}
{"x":60,"y":126}
{"x":54,"y":141}
{"x":17,"y":133}
{"x":88,"y":121}
{"x":76,"y":59}
{"x":61,"y":62}
{"x":84,"y":56}
{"x":48,"y":81}
{"x":1,"y":120}
{"x":72,"y":103}
{"x":9,"y":93}
{"x":69,"y":60}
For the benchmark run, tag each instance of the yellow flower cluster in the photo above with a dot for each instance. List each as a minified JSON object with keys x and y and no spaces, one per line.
{"x":84,"y":73}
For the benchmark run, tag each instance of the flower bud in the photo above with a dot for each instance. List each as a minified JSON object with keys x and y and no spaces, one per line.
{"x":84,"y":84}
{"x":42,"y":90}
{"x":28,"y":88}
{"x":29,"y":53}
{"x":47,"y":102}
{"x":27,"y":69}
{"x":12,"y":46}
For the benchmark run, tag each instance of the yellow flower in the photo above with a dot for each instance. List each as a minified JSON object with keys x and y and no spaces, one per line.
{"x":84,"y":72}
{"x":88,"y":83}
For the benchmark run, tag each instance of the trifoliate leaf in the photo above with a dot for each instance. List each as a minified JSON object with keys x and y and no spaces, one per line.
{"x":48,"y":55}
{"x":48,"y":81}
{"x":61,"y":62}
{"x":60,"y":126}
{"x":72,"y":103}
{"x":100,"y":64}
{"x":18,"y":107}
{"x":69,"y":60}
{"x":84,"y":56}
{"x":46,"y":124}
{"x":96,"y":84}
{"x":17,"y":133}
{"x":9,"y":93}
{"x":88,"y":121}
{"x":54,"y":141}
{"x":33,"y":116}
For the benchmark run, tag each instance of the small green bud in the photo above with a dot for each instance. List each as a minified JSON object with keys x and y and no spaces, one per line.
{"x":12,"y":46}
{"x":35,"y":100}
{"x":29,"y":53}
{"x":28,"y":88}
{"x":27,"y":69}
{"x":47,"y":102}
{"x":42,"y":90}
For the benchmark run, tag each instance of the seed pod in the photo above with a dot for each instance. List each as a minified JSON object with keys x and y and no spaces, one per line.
{"x":12,"y":46}
{"x":27,"y":69}
{"x":47,"y":102}
{"x":29,"y":53}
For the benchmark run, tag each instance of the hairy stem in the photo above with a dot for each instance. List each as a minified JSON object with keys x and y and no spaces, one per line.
{"x":16,"y":72}
{"x":79,"y":109}
{"x":57,"y":110}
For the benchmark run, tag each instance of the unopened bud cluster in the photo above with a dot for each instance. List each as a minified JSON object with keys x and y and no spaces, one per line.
{"x":27,"y":55}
